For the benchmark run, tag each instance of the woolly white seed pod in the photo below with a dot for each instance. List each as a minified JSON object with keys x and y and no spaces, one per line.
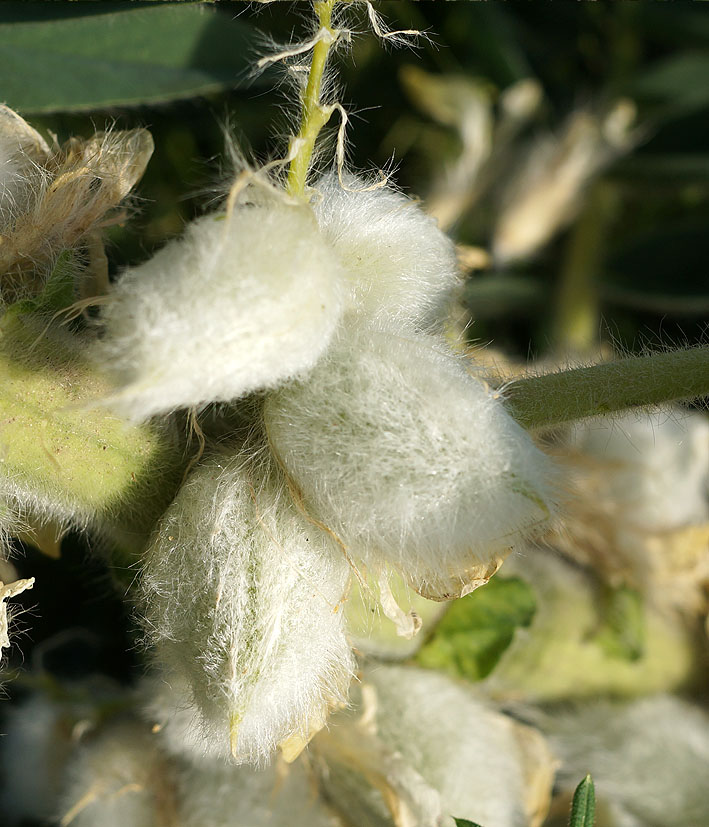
{"x":399,"y":264}
{"x":282,"y":794}
{"x":241,"y":302}
{"x":39,"y":736}
{"x":21,"y":148}
{"x":31,"y":740}
{"x":425,"y":749}
{"x":410,"y":460}
{"x":649,"y":759}
{"x":242,"y":600}
{"x":118,"y":779}
{"x":655,"y":468}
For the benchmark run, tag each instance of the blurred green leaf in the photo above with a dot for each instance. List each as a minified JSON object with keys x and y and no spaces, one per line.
{"x":504,"y":295}
{"x":476,"y":630}
{"x":622,"y":633}
{"x":74,"y":57}
{"x":583,"y":807}
{"x":463,"y":822}
{"x":676,"y":83}
{"x":661,"y":168}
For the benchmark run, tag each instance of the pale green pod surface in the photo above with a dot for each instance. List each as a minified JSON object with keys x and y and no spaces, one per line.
{"x":410,"y":460}
{"x":562,"y":653}
{"x":242,"y":598}
{"x":649,"y":759}
{"x":377,"y":634}
{"x":60,"y":460}
{"x":398,"y":263}
{"x":243,"y":301}
{"x":420,"y":748}
{"x":275,"y":796}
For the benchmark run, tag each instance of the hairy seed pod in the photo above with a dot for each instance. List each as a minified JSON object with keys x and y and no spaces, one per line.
{"x":243,"y":301}
{"x":118,"y":778}
{"x":282,"y":794}
{"x":420,"y":749}
{"x":242,"y":601}
{"x":649,"y":759}
{"x":400,"y":266}
{"x":410,"y":460}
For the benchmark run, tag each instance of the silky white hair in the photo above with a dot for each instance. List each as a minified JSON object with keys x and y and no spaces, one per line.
{"x":399,"y":265}
{"x":242,"y":603}
{"x":410,"y":459}
{"x":243,"y":301}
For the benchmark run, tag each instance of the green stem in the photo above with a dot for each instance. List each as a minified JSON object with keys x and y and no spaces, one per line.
{"x":577,"y":308}
{"x":640,"y":381}
{"x":315,"y":115}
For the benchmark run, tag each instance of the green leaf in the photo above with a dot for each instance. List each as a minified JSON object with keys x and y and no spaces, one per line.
{"x":463,"y":822}
{"x":476,"y":630}
{"x":85,"y":56}
{"x":622,"y":634}
{"x":583,"y":807}
{"x":673,"y":84}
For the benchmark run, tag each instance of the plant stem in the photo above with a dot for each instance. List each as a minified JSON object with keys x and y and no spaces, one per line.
{"x":640,"y":381}
{"x":577,"y":313}
{"x":315,"y":115}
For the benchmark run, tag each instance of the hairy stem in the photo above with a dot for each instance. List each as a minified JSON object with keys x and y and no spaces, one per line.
{"x":641,"y":381}
{"x":315,"y":115}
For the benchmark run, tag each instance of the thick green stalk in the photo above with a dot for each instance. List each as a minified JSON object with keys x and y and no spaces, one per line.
{"x":641,"y":381}
{"x":315,"y":115}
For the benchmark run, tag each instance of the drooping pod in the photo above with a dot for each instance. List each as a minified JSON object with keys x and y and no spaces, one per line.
{"x":399,"y":265}
{"x":216,"y":796}
{"x":244,"y":300}
{"x":420,"y":749}
{"x":242,"y":602}
{"x":412,"y":461}
{"x":649,"y":759}
{"x":118,"y":778}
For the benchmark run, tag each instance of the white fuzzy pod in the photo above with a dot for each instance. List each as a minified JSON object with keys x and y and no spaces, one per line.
{"x":399,"y":264}
{"x":649,"y":759}
{"x":32,"y":749}
{"x":241,"y":302}
{"x":427,"y":749}
{"x":118,"y":779}
{"x":21,"y":148}
{"x":410,"y":460}
{"x":655,"y":467}
{"x":242,"y":601}
{"x":276,"y":796}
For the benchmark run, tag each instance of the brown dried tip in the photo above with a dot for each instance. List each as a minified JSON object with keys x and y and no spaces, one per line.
{"x":459,"y":584}
{"x":69,"y":191}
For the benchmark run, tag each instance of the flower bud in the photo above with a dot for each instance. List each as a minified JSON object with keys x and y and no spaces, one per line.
{"x":243,"y":301}
{"x":242,"y":601}
{"x":412,"y":461}
{"x":400,"y":266}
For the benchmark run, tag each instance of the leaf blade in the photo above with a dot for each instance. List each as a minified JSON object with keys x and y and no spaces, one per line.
{"x":583,"y":806}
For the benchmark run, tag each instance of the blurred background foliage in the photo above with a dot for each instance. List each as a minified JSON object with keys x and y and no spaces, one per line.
{"x":633,"y":251}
